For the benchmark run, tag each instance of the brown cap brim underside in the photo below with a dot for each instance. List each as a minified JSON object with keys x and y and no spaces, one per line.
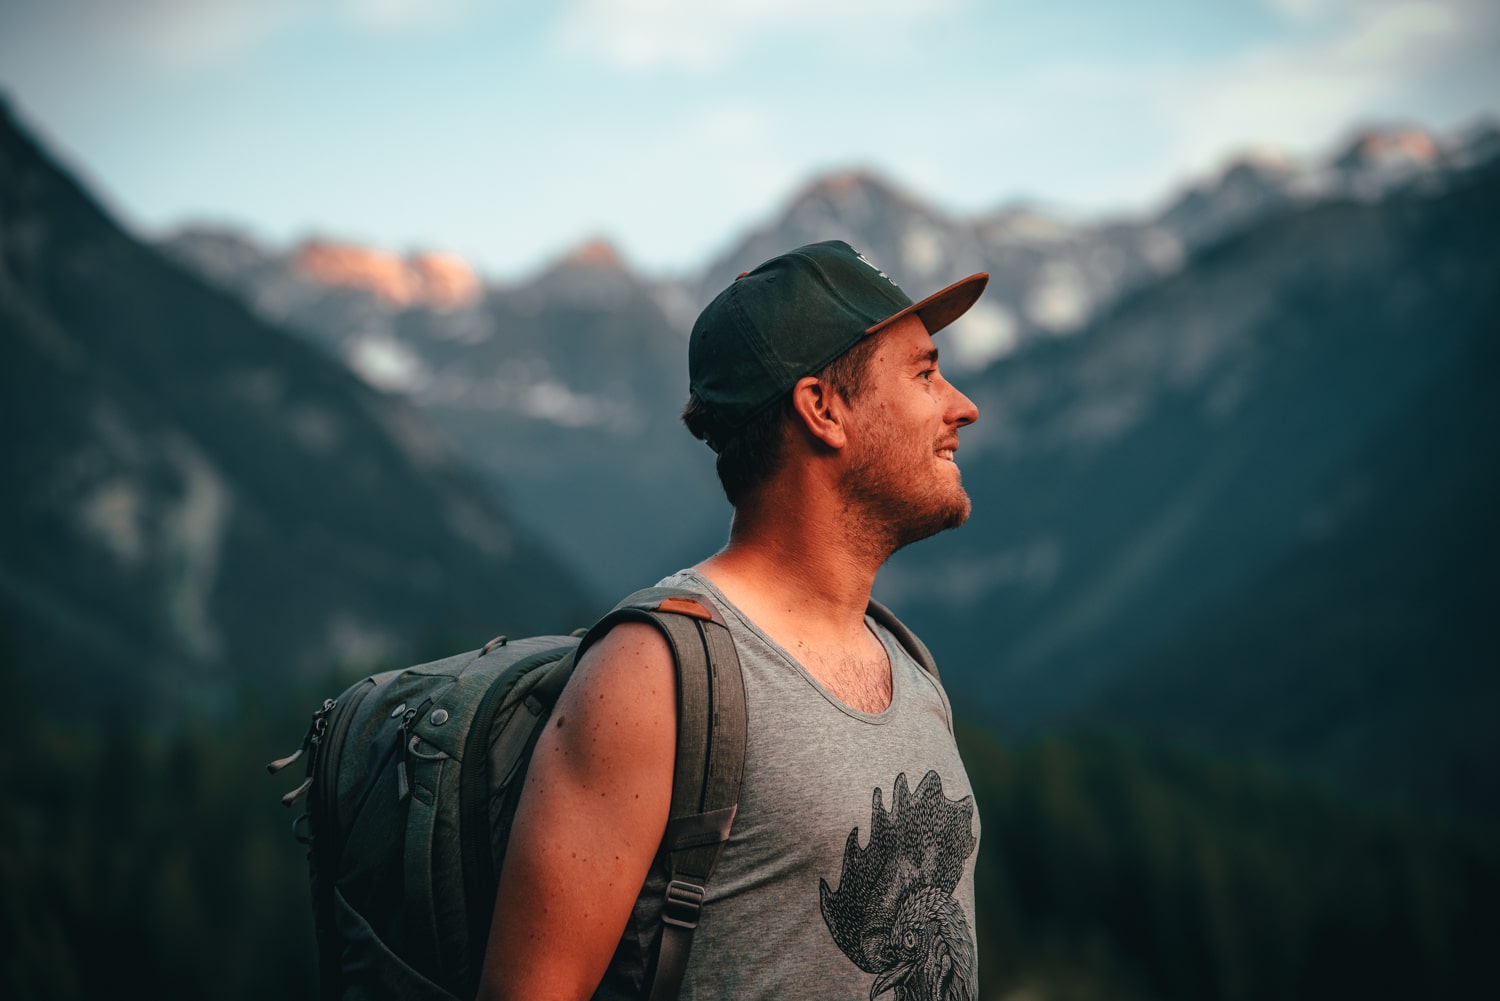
{"x":942,"y":307}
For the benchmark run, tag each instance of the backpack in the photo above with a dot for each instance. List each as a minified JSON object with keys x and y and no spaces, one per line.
{"x":413,"y":777}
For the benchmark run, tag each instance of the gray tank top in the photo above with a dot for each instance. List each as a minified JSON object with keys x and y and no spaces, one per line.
{"x":851,"y":863}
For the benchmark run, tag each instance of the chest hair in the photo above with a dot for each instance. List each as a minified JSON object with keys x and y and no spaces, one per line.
{"x":858,"y":678}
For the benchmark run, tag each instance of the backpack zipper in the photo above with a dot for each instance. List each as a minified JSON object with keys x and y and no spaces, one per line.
{"x":310,"y":740}
{"x":404,"y":741}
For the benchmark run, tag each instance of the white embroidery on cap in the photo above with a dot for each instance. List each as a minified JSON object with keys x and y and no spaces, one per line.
{"x":877,"y":270}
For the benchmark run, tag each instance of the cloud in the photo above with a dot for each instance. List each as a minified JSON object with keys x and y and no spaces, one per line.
{"x":1360,"y":62}
{"x":170,"y":34}
{"x":697,"y":36}
{"x":190,"y":35}
{"x":1333,"y":64}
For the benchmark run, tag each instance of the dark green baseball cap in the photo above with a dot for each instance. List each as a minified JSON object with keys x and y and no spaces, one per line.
{"x":793,"y":315}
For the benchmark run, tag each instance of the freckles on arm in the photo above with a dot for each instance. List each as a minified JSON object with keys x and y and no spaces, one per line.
{"x":591,"y":817}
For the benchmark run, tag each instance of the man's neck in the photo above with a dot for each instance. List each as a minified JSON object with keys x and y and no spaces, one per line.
{"x":804,"y":568}
{"x":797,"y":565}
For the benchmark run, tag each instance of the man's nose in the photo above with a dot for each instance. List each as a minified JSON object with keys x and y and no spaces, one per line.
{"x":961,"y":409}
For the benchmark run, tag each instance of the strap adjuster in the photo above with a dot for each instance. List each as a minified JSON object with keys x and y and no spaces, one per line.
{"x":683,"y":904}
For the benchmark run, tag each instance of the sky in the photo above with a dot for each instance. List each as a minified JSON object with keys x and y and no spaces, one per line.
{"x":510,"y":133}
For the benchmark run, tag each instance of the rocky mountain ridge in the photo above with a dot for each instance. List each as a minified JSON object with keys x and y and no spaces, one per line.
{"x":430,"y":280}
{"x":1051,"y":272}
{"x":551,"y":388}
{"x":1274,"y":417}
{"x":564,"y":381}
{"x":1247,"y":506}
{"x":202,"y":503}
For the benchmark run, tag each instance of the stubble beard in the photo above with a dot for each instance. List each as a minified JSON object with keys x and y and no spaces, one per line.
{"x":892,"y":506}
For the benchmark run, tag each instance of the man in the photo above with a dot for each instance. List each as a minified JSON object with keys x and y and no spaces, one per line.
{"x":849,"y":869}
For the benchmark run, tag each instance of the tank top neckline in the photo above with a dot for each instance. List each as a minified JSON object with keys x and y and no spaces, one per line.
{"x":896,"y":656}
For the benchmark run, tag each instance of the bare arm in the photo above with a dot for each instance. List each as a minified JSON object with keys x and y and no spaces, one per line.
{"x":591,"y":817}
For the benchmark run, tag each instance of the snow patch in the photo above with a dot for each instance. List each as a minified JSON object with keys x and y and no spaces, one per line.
{"x":113,"y":514}
{"x":987,"y":332}
{"x":550,"y":400}
{"x":192,"y":542}
{"x":1059,"y":301}
{"x":387,"y":364}
{"x":353,"y":640}
{"x":921,"y":252}
{"x":1162,"y":251}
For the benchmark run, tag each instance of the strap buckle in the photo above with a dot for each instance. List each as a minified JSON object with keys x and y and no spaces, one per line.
{"x":683,"y":904}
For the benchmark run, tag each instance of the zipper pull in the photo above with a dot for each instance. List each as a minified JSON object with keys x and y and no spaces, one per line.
{"x":296,"y":793}
{"x":312,"y":736}
{"x":403,"y":747}
{"x":281,"y":763}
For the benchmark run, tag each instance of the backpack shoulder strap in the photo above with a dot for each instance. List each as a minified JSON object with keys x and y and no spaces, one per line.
{"x":710,"y":759}
{"x":907,"y":638}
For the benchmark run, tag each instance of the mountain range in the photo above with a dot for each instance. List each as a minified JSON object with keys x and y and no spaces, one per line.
{"x":1252,"y":505}
{"x":200,"y":502}
{"x":511,"y":373}
{"x":1233,"y":480}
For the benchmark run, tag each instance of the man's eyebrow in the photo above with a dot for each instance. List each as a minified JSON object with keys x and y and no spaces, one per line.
{"x":930,"y":356}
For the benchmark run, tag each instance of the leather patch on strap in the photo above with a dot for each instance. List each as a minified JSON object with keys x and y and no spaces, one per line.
{"x":685,"y":606}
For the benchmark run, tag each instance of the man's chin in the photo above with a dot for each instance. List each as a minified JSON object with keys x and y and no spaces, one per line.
{"x":960,"y":514}
{"x":951,"y":517}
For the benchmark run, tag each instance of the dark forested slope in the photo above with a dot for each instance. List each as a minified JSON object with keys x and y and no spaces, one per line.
{"x":194,"y":498}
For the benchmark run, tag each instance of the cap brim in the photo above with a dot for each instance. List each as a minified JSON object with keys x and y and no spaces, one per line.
{"x":942,"y":307}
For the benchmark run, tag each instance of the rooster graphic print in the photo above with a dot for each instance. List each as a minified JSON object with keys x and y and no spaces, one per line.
{"x":894,"y":914}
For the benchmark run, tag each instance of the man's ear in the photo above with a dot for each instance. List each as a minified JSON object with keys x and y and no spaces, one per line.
{"x":822,"y":411}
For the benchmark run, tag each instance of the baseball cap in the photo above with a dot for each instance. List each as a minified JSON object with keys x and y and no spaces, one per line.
{"x":793,"y":315}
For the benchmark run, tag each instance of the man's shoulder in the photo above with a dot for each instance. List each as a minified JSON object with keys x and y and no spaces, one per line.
{"x":682,"y":580}
{"x":686,"y":579}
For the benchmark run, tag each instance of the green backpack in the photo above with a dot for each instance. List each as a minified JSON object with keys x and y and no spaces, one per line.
{"x":413,"y":777}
